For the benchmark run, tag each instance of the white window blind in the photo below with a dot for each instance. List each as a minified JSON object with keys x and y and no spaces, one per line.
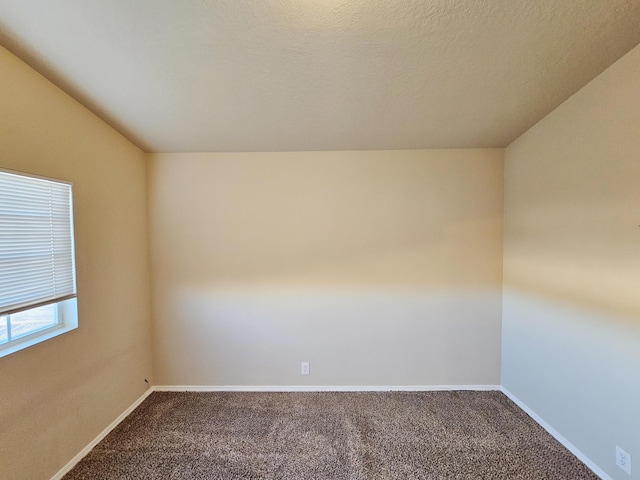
{"x":36,"y":242}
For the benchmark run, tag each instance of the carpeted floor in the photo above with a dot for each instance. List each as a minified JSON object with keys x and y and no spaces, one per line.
{"x":354,"y":436}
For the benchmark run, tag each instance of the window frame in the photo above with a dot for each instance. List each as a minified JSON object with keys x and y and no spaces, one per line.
{"x":66,"y":310}
{"x":67,"y":314}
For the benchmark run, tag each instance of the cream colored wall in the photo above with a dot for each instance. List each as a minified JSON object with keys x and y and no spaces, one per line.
{"x":379,"y":268}
{"x":571,"y":325}
{"x":55,"y":397}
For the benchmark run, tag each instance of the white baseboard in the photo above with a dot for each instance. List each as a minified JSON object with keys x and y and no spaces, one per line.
{"x":555,"y":434}
{"x":72,"y":463}
{"x":321,"y":388}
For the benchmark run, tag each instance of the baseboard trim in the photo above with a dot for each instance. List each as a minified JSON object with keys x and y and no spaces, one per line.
{"x":72,"y":463}
{"x":555,"y":434}
{"x":321,"y":388}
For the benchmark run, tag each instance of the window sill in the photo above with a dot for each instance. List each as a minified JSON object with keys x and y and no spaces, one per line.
{"x":69,"y":322}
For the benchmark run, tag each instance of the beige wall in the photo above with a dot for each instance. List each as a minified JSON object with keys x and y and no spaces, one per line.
{"x":55,"y":397}
{"x":571,"y":321}
{"x":379,"y":268}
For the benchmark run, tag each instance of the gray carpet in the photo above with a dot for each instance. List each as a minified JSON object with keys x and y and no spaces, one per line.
{"x":354,"y":436}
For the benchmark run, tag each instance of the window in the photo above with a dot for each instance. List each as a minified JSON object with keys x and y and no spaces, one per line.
{"x":37,"y":267}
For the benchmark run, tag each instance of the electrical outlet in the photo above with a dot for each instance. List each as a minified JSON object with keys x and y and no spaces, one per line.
{"x":304,"y":368}
{"x":623,"y":460}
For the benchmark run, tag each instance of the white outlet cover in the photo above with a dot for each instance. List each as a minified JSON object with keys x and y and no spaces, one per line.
{"x":623,"y":460}
{"x":304,"y":368}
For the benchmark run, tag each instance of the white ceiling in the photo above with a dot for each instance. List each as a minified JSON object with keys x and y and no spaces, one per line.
{"x":276,"y":75}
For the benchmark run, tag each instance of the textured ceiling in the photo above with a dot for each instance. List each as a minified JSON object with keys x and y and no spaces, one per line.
{"x":275,"y":75}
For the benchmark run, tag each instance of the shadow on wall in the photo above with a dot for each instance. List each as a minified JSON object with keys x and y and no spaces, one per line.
{"x":410,"y":217}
